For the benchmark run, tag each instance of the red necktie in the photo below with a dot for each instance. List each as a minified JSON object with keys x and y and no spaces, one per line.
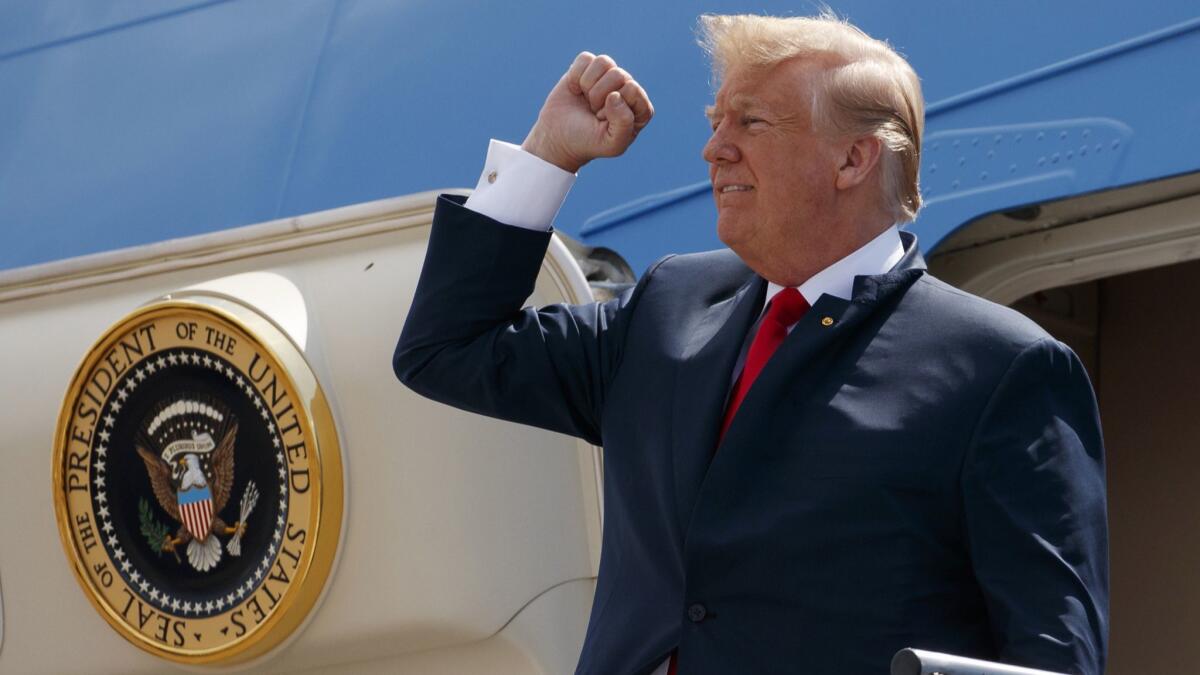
{"x":786,"y":309}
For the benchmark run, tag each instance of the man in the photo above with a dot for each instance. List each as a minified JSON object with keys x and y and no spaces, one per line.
{"x":816,"y":453}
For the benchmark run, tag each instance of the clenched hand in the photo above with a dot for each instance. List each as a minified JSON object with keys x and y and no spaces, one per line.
{"x":595,"y":110}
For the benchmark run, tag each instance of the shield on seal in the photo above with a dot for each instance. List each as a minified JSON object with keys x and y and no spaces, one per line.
{"x":195,"y":506}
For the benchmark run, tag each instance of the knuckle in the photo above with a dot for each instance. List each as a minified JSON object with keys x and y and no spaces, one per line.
{"x":606,"y":60}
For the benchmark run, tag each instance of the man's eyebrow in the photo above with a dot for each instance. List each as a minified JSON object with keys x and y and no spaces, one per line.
{"x":744,"y":101}
{"x":739,"y":102}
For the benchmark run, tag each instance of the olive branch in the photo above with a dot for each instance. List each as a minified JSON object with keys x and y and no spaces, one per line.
{"x":154,"y":531}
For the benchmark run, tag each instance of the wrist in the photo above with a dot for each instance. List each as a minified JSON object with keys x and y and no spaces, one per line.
{"x":539,"y":146}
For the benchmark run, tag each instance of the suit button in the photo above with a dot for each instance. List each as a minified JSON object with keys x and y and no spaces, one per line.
{"x":697,"y":612}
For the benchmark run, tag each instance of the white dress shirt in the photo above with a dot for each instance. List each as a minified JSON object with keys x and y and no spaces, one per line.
{"x":518,"y":188}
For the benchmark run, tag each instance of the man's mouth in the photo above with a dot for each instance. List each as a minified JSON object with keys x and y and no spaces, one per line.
{"x":735,"y":188}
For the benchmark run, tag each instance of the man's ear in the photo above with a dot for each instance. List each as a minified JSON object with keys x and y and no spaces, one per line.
{"x":860,"y":158}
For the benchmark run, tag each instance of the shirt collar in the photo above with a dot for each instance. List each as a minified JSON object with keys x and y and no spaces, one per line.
{"x":875,"y":257}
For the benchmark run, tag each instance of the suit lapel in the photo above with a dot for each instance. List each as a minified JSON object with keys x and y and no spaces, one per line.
{"x":702,"y":385}
{"x":823,"y":324}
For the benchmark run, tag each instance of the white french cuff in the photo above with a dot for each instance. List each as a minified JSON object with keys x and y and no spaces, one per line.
{"x":519,"y":188}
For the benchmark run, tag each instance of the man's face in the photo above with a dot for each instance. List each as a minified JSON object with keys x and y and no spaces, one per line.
{"x":772,"y":174}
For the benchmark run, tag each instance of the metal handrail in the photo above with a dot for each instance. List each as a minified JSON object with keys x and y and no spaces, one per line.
{"x":921,"y":662}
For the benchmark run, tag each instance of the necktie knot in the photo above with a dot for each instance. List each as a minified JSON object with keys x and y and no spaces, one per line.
{"x":787,"y":307}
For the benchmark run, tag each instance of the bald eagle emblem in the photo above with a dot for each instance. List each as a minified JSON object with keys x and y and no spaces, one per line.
{"x":187,"y":447}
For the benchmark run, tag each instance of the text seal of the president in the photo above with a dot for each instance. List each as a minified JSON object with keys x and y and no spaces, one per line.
{"x":198,"y":481}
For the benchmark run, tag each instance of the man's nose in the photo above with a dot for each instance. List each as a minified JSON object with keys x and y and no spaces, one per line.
{"x":720,"y":149}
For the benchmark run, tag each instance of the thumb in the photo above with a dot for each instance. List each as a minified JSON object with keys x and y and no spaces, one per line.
{"x":620,"y":118}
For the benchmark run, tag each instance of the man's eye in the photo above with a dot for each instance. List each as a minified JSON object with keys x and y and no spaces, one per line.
{"x":750,"y":120}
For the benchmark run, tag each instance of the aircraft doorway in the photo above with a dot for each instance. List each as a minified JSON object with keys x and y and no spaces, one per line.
{"x":1136,"y":334}
{"x":1122,"y":288}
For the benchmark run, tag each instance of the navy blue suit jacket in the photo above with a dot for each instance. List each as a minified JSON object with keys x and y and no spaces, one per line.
{"x":926,"y":471}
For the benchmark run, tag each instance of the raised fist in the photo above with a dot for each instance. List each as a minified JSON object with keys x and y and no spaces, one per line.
{"x":595,"y":110}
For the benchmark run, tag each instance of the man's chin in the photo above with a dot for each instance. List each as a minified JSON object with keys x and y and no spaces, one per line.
{"x":730,"y":232}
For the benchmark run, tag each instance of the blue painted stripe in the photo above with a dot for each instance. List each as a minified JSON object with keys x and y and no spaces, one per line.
{"x":86,"y":35}
{"x":1055,"y":69}
{"x":640,"y":207}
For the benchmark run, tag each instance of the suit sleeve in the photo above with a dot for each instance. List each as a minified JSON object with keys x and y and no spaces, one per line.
{"x":1034,"y":503}
{"x":468,"y":342}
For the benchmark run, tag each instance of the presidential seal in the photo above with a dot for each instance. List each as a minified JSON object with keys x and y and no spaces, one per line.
{"x":198,"y":481}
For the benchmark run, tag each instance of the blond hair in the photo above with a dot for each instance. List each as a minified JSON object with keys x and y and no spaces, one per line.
{"x":867,"y":88}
